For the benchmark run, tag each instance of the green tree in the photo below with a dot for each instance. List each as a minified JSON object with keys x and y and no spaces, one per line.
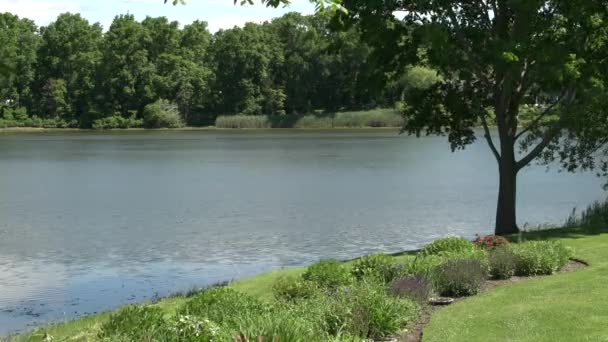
{"x":18,"y":44}
{"x":496,"y":57}
{"x":247,"y":60}
{"x":70,"y":53}
{"x":54,"y":99}
{"x":126,"y":72}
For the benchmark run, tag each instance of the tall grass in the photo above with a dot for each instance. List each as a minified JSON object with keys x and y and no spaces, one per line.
{"x":243,"y":121}
{"x":594,"y":216}
{"x":361,"y":119}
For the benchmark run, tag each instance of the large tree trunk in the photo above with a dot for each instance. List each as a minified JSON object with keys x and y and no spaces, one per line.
{"x":506,"y":219}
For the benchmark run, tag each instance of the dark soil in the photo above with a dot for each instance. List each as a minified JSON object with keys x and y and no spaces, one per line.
{"x":414,"y":334}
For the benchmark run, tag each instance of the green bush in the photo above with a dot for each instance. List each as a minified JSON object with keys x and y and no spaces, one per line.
{"x":378,"y":266}
{"x":540,"y":257}
{"x":449,"y":244}
{"x":328,"y":274}
{"x":502,"y":262}
{"x":135,"y":323}
{"x":372,"y":118}
{"x":117,"y":121}
{"x":312,"y":121}
{"x":294,"y":288}
{"x":224,"y":306}
{"x":162,"y":114}
{"x":424,"y":265}
{"x":460,"y":277}
{"x":243,"y":121}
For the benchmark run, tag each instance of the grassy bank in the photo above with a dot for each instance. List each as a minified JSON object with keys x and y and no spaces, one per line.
{"x":566,"y":307}
{"x":320,"y":302}
{"x":360,"y":119}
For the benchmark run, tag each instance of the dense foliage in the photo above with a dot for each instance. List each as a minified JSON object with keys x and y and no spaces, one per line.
{"x":460,"y":277}
{"x":502,"y":261}
{"x":72,"y":74}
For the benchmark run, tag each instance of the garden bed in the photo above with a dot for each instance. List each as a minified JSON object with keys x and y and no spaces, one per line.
{"x":415,"y":334}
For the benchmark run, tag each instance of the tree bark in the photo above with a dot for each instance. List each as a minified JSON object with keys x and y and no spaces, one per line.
{"x":506,"y":218}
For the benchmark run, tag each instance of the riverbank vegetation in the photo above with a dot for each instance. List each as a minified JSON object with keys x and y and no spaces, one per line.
{"x":359,"y":119}
{"x":381,"y":296}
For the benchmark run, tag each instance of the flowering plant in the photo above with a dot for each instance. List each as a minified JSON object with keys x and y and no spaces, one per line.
{"x":490,"y":241}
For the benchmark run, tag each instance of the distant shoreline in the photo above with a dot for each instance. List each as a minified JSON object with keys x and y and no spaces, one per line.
{"x":206,"y":128}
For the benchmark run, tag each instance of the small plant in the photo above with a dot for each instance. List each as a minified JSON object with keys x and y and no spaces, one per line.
{"x":378,"y":266}
{"x":490,"y":241}
{"x":293,"y":288}
{"x":502,"y":262}
{"x":540,"y":257}
{"x":136,"y":323}
{"x":329,"y":274}
{"x":416,"y":288}
{"x":460,"y":277}
{"x":449,"y":244}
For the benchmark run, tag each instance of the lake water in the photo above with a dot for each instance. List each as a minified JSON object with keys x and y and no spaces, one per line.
{"x":91,"y":221}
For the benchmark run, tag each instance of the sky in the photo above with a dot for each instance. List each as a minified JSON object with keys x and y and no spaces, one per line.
{"x":219,"y":14}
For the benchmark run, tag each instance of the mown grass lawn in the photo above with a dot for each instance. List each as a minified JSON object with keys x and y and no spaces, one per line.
{"x":565,"y":307}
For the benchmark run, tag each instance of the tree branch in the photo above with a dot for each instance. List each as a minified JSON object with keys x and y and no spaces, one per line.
{"x":538,"y":119}
{"x":550,"y":134}
{"x":489,"y":137}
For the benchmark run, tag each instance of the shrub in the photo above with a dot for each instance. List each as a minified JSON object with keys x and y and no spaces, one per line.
{"x":459,"y":278}
{"x":243,"y":121}
{"x":502,"y":262}
{"x":224,"y":306}
{"x":136,"y":323}
{"x":449,"y":244}
{"x":372,"y":312}
{"x":490,"y":241}
{"x":117,"y":121}
{"x":293,"y":288}
{"x":328,"y":274}
{"x":540,"y":257}
{"x":162,"y":114}
{"x":416,"y":288}
{"x":372,"y":118}
{"x":424,"y":265}
{"x":378,"y":266}
{"x":312,"y":121}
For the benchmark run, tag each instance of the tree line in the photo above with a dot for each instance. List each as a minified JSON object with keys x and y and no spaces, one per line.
{"x":73,"y":72}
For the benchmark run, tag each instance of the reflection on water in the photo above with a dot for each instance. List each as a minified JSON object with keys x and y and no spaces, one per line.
{"x":92,"y":221}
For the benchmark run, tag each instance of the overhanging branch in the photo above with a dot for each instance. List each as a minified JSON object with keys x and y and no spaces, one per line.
{"x":548,"y":137}
{"x":539,"y":118}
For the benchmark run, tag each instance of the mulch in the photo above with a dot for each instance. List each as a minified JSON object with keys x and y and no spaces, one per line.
{"x":414,"y":334}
